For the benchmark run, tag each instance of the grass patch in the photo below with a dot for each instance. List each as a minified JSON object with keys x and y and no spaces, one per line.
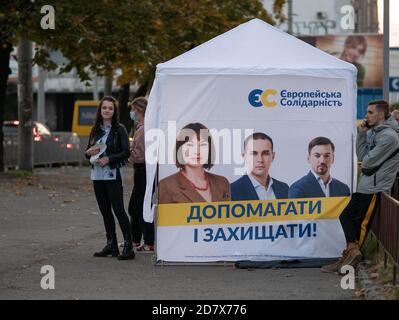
{"x":19,"y":173}
{"x":369,"y":247}
{"x":376,"y":265}
{"x":385,"y":276}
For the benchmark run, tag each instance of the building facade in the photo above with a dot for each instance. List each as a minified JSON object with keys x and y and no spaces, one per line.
{"x":316,"y":18}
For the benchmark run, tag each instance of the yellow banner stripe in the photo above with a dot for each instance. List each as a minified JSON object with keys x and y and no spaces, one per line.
{"x":366,"y":219}
{"x":178,"y":214}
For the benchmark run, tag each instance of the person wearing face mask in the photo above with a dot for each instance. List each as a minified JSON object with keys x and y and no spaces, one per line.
{"x":140,"y":228}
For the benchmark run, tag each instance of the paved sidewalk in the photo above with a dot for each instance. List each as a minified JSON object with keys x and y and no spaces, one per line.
{"x":52,"y":218}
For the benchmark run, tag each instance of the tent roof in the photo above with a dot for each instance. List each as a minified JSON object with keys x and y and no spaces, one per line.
{"x":255,"y":45}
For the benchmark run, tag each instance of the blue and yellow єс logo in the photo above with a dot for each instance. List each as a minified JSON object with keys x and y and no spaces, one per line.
{"x":258,"y":98}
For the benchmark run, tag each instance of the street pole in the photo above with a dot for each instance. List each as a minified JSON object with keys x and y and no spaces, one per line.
{"x":41,"y":96}
{"x":5,"y":50}
{"x":25,"y":139}
{"x":290,"y":22}
{"x":95,"y":88}
{"x":386,"y":51}
{"x":108,"y":83}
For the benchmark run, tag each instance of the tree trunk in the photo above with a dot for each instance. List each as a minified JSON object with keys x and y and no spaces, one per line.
{"x":41,"y":96}
{"x":142,"y":90}
{"x":5,"y":50}
{"x":95,"y":88}
{"x":25,"y":97}
{"x":123,"y":107}
{"x":108,"y":84}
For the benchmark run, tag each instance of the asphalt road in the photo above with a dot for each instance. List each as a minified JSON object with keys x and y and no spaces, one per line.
{"x":52,"y":219}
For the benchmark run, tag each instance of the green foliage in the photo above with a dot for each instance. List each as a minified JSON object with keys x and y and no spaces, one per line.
{"x":370,"y":246}
{"x":133,"y":35}
{"x":395,"y":106}
{"x":19,"y":173}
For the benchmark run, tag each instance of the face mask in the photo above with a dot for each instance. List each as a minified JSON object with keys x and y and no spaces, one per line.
{"x":133,"y":116}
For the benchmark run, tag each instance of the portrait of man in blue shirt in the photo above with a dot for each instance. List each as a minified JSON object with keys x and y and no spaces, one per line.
{"x":319,"y":182}
{"x":257,"y":184}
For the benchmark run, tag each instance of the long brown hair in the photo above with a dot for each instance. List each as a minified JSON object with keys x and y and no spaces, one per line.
{"x":95,"y":131}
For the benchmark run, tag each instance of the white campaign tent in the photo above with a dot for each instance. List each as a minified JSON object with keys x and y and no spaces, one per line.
{"x":254,"y":48}
{"x":253,"y":79}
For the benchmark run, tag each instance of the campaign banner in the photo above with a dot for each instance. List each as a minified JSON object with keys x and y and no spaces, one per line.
{"x":253,"y":167}
{"x":250,"y":230}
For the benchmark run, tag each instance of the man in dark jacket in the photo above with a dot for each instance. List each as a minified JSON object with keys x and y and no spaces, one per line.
{"x":257,"y":183}
{"x":318,"y":182}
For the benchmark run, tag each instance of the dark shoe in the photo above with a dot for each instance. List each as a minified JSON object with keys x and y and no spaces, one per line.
{"x":127,"y":253}
{"x":110,"y":249}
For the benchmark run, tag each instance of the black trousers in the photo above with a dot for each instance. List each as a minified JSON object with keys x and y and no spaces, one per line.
{"x":358,"y":216}
{"x":109,"y":194}
{"x":139,"y":227}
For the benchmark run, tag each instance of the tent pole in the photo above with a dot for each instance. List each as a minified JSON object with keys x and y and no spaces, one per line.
{"x":386,"y":50}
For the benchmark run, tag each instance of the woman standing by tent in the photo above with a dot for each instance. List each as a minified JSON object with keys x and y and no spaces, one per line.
{"x":138,"y":226}
{"x":108,"y":150}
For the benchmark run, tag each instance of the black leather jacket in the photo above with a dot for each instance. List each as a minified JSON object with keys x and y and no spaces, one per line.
{"x":118,"y":150}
